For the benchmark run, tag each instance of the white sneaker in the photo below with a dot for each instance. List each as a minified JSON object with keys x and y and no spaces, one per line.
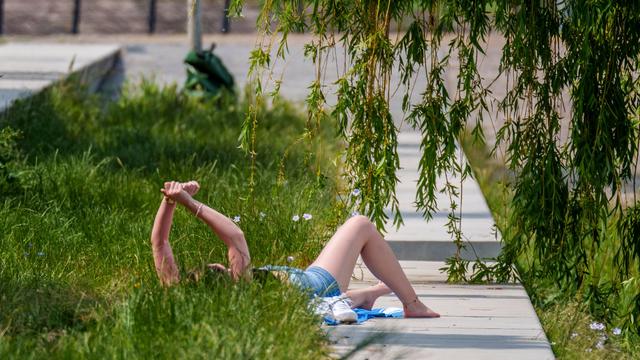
{"x":341,"y":308}
{"x":335,"y":308}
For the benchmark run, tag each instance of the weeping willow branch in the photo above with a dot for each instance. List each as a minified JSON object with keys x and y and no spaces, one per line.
{"x":567,"y":189}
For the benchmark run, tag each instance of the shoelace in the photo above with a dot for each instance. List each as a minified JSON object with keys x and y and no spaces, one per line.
{"x":344,"y":300}
{"x":342,"y":304}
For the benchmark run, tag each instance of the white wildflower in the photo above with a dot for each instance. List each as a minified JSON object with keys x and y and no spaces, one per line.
{"x":262,"y":215}
{"x":355,"y":213}
{"x":307,"y":216}
{"x":355,"y":192}
{"x":574,"y":335}
{"x":616,"y":331}
{"x":295,"y":217}
{"x":596,"y":326}
{"x":236,"y":219}
{"x":289,"y":258}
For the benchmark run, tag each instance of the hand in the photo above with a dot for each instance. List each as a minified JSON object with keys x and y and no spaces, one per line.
{"x":192,"y":187}
{"x":239,"y":264}
{"x":218,"y":268}
{"x":175,"y":191}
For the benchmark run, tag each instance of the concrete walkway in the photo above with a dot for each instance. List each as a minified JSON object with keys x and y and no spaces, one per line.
{"x":431,"y":241}
{"x":478,"y":322}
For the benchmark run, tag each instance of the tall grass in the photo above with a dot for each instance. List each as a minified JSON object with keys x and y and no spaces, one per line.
{"x":76,"y":273}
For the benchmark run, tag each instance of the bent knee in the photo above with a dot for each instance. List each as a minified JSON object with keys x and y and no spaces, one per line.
{"x":360,"y":221}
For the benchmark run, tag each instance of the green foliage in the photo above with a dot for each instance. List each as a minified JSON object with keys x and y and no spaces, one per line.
{"x":9,"y":161}
{"x":608,"y":294}
{"x":630,"y":234}
{"x":77,"y":278}
{"x":567,"y":195}
{"x":569,"y":328}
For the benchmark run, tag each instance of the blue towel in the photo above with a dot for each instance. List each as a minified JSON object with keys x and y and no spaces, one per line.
{"x":364,"y":315}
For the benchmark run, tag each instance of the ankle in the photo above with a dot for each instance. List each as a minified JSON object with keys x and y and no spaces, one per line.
{"x":415,"y":301}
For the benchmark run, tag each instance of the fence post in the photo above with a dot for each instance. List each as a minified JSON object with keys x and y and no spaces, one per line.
{"x":152,"y":16}
{"x":225,"y":17}
{"x":76,"y":17}
{"x":1,"y":17}
{"x":193,"y":24}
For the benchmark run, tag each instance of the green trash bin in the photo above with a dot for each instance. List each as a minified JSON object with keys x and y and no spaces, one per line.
{"x":206,"y":74}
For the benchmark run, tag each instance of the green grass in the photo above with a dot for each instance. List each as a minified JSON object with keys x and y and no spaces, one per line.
{"x":76,"y":273}
{"x":567,"y":318}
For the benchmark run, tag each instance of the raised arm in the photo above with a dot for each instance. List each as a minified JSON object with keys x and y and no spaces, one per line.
{"x":166,"y":266}
{"x":222,"y":226}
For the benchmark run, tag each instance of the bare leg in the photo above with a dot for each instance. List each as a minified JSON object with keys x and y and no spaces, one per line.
{"x":359,"y":237}
{"x":366,"y":297}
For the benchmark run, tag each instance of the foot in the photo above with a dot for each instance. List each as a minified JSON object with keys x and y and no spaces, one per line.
{"x":365,"y":298}
{"x":416,"y":309}
{"x":361,"y":300}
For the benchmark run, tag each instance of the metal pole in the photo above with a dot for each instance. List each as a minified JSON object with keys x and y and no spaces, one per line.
{"x":1,"y":17}
{"x":76,"y":17}
{"x":152,"y":16}
{"x":193,"y":26}
{"x":225,"y":17}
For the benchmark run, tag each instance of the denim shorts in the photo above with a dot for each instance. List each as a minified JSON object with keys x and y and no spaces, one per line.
{"x":315,"y":280}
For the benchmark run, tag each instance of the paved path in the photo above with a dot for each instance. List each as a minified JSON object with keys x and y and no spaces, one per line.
{"x":478,"y":322}
{"x":421,"y":240}
{"x":27,"y":68}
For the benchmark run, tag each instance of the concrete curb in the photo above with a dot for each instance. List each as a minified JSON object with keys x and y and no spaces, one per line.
{"x":440,"y":250}
{"x":29,"y":68}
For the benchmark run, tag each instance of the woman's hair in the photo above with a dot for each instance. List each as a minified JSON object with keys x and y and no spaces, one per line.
{"x":212,"y":273}
{"x":206,"y":273}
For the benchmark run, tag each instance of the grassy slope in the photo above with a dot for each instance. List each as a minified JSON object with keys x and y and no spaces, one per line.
{"x":566,"y":319}
{"x":76,"y":273}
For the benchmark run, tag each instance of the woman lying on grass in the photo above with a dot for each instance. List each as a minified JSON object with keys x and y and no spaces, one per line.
{"x":329,"y":274}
